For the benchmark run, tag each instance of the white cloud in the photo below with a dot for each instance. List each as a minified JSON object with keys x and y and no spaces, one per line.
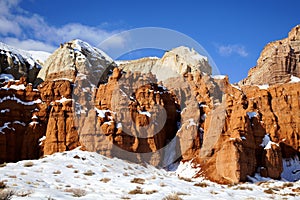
{"x":24,"y":28}
{"x":228,"y":50}
{"x":7,"y":27}
{"x":29,"y":44}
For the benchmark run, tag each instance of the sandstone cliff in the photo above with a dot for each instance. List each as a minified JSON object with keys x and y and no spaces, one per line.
{"x":277,"y":62}
{"x":22,"y":121}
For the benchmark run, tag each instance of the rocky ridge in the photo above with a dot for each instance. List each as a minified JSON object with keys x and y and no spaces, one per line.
{"x":16,"y":63}
{"x":278,"y":61}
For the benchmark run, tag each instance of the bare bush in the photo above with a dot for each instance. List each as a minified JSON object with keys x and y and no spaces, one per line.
{"x":6,"y":194}
{"x":28,"y":164}
{"x":77,"y":192}
{"x":172,"y":197}
{"x":138,"y":180}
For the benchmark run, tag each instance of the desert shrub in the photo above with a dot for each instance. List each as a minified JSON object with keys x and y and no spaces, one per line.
{"x":89,"y":173}
{"x":148,"y":192}
{"x":202,"y":184}
{"x":137,"y":190}
{"x":23,"y":193}
{"x":28,"y":164}
{"x":289,"y":184}
{"x":77,"y":192}
{"x":172,"y":197}
{"x":162,"y":184}
{"x":2,"y":185}
{"x":243,"y":188}
{"x":185,"y":179}
{"x":138,"y":180}
{"x":70,"y":166}
{"x":6,"y":194}
{"x":269,"y":191}
{"x":2,"y":164}
{"x":105,"y":180}
{"x":104,"y":170}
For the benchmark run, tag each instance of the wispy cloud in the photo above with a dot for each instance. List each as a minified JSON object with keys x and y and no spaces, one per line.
{"x":230,"y":49}
{"x":26,"y":30}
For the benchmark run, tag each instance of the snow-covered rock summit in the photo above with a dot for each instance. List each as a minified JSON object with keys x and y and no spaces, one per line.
{"x":15,"y":63}
{"x":76,"y":59}
{"x":174,"y":63}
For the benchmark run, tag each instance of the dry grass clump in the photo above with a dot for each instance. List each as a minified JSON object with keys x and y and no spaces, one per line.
{"x":77,"y":192}
{"x":28,"y":164}
{"x":172,"y":197}
{"x":138,"y":180}
{"x":6,"y":194}
{"x":105,"y":180}
{"x":137,"y":190}
{"x":57,"y":172}
{"x":269,"y":191}
{"x":89,"y":173}
{"x":202,"y":184}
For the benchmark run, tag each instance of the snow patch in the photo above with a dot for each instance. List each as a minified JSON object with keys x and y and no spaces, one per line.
{"x":6,"y":77}
{"x":251,"y":114}
{"x":13,"y":98}
{"x":294,"y":79}
{"x":145,"y":113}
{"x":263,"y":87}
{"x":269,"y":145}
{"x":101,"y":113}
{"x":265,"y":140}
{"x":218,"y":76}
{"x":235,"y":86}
{"x":188,"y":169}
{"x":4,"y":111}
{"x":16,"y":87}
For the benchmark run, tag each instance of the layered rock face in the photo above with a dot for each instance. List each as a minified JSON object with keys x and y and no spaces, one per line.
{"x":70,"y":75}
{"x":23,"y":121}
{"x":174,"y":63}
{"x":243,"y":134}
{"x":277,"y":62}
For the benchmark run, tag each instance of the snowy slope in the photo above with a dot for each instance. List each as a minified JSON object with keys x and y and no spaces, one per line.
{"x":87,"y":175}
{"x":39,"y":56}
{"x":20,"y":55}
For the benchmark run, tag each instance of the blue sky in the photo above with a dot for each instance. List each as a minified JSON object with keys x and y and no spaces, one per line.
{"x":232,"y":32}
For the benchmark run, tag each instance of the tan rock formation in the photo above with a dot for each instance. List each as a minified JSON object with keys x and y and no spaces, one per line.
{"x":174,"y":63}
{"x":277,"y":62}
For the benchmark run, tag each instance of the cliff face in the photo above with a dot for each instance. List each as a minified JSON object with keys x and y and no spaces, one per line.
{"x":277,"y":62}
{"x":16,"y":63}
{"x":84,"y":100}
{"x":22,"y":121}
{"x":247,"y":132}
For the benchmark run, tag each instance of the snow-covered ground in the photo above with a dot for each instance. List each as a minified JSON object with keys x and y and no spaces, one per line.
{"x":87,"y":175}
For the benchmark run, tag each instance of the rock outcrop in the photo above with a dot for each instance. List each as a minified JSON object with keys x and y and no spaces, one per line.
{"x":70,"y":75}
{"x":22,"y":121}
{"x":278,"y":61}
{"x":234,"y":144}
{"x":174,"y":63}
{"x":16,"y":63}
{"x":141,"y":112}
